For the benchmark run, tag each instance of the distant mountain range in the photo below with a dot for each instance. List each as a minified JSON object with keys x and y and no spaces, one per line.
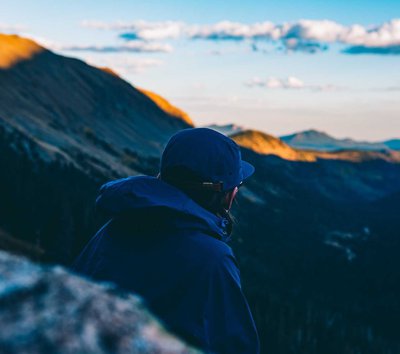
{"x":227,"y":129}
{"x":316,"y":140}
{"x":317,"y":238}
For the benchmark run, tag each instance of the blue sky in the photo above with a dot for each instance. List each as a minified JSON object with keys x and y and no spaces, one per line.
{"x":291,"y":77}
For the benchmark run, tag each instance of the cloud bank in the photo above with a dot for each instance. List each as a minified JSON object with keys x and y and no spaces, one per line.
{"x":389,"y":50}
{"x":309,"y":36}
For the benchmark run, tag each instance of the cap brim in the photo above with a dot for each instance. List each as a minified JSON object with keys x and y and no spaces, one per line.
{"x":247,"y":169}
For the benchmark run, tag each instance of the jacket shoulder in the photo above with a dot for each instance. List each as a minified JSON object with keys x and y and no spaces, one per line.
{"x":211,"y":244}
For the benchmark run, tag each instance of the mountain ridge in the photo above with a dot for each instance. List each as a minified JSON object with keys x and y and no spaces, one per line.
{"x":50,"y":99}
{"x":267,"y":144}
{"x":15,"y":49}
{"x":166,"y":106}
{"x":313,"y":139}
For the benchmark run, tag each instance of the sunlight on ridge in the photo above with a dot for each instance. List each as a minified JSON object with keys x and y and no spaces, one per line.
{"x":14,"y":49}
{"x":167,"y":107}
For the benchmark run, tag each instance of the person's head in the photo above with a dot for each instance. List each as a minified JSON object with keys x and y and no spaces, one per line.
{"x":206,"y":165}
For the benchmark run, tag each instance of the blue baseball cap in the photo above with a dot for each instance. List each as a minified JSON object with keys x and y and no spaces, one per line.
{"x":211,"y":155}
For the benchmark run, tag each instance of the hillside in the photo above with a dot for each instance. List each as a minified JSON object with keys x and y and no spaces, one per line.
{"x":269,"y":145}
{"x":167,"y":107}
{"x":84,"y":114}
{"x":14,"y":50}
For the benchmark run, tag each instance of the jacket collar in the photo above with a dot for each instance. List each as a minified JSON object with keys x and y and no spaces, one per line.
{"x":145,"y":192}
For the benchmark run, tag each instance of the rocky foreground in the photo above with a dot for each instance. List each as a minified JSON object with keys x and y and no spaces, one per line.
{"x":47,"y":309}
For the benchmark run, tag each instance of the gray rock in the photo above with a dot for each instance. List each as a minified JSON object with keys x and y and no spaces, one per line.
{"x":49,"y":310}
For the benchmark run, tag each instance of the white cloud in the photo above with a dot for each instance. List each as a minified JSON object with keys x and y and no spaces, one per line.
{"x":304,"y":35}
{"x":123,"y":65}
{"x":294,"y":82}
{"x":271,"y":82}
{"x":387,"y":34}
{"x":135,"y":47}
{"x":7,"y":28}
{"x":227,"y":30}
{"x":325,"y":31}
{"x":141,"y":29}
{"x":289,"y":83}
{"x":315,"y":30}
{"x":310,"y":36}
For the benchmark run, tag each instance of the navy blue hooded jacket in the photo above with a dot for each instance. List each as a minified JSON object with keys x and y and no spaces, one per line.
{"x":163,"y":246}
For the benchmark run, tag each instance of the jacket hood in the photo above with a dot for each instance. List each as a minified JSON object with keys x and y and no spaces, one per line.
{"x":139,"y":193}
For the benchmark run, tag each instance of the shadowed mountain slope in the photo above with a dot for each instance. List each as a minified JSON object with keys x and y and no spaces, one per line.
{"x":78,"y":110}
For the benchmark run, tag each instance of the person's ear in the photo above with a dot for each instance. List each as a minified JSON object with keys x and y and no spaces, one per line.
{"x":229,"y":198}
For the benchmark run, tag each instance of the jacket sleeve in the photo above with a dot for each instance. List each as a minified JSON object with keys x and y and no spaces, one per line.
{"x":229,"y":324}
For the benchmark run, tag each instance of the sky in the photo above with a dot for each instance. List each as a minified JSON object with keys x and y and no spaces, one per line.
{"x":278,"y":67}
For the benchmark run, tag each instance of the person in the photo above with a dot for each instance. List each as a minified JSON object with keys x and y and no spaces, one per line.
{"x":166,"y":240}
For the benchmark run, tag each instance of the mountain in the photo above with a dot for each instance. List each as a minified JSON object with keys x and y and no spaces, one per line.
{"x":316,"y":236}
{"x":167,"y":107}
{"x":266,"y":144}
{"x":316,"y":140}
{"x":393,"y":144}
{"x":66,"y":127}
{"x":14,"y":49}
{"x":86,"y":116}
{"x":227,"y":129}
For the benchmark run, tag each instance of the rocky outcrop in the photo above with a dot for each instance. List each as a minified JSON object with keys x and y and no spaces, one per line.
{"x":48,"y":310}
